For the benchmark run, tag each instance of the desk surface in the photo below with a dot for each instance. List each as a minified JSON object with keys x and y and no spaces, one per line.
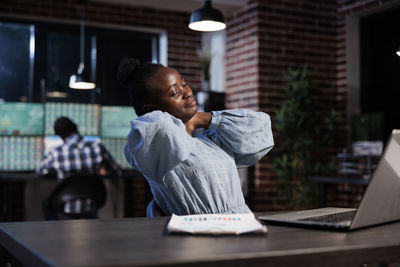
{"x":141,"y":242}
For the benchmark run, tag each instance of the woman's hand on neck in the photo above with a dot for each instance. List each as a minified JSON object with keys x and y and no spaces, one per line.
{"x":199,"y":120}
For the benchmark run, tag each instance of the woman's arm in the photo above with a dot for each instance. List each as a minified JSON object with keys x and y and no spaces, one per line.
{"x":156,"y":143}
{"x":199,"y":120}
{"x":244,"y":134}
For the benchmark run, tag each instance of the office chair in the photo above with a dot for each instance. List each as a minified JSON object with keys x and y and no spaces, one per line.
{"x":153,"y":210}
{"x":78,"y":197}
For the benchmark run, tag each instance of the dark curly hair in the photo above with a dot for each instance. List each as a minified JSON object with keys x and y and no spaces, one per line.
{"x":134,"y":75}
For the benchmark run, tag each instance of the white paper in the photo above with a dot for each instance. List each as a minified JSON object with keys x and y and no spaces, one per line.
{"x":216,"y":224}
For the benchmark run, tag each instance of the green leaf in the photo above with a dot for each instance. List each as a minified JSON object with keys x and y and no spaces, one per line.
{"x":299,"y":126}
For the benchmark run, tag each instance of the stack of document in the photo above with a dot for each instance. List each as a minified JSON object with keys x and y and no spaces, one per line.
{"x":216,"y":224}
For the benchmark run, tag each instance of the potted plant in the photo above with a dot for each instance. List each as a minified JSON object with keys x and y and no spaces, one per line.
{"x":300,"y":149}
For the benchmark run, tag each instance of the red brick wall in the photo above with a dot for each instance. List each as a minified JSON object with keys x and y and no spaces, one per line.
{"x":264,"y":38}
{"x":182,"y":45}
{"x":242,"y":56}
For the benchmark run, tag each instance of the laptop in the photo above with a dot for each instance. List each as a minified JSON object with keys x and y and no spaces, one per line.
{"x":380,"y":203}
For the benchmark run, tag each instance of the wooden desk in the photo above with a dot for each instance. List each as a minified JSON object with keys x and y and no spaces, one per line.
{"x":141,"y":242}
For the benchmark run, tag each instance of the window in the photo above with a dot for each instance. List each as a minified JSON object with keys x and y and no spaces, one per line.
{"x":17,"y":46}
{"x":112,"y":47}
{"x":38,"y":59}
{"x":380,"y":67}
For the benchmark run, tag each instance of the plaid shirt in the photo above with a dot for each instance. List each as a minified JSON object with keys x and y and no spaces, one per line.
{"x":77,"y":155}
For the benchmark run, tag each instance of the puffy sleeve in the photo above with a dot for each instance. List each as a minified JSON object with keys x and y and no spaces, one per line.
{"x":157,"y":143}
{"x":244,"y":134}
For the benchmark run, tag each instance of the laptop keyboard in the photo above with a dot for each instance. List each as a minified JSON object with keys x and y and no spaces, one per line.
{"x":332,"y":218}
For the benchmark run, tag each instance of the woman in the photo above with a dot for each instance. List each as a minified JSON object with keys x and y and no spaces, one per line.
{"x":189,"y":158}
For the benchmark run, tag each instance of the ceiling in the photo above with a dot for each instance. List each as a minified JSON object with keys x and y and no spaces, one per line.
{"x":227,"y":7}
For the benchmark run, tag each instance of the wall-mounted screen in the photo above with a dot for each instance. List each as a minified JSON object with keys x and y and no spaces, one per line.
{"x":21,"y":118}
{"x":20,"y":153}
{"x":115,"y":146}
{"x":116,"y":121}
{"x":86,"y":116}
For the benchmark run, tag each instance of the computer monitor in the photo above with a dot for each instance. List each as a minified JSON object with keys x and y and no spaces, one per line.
{"x":20,"y":153}
{"x":86,"y":116}
{"x":51,"y":141}
{"x":115,"y":146}
{"x":115,"y":121}
{"x":21,"y":118}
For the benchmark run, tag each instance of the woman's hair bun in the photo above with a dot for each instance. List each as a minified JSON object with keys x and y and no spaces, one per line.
{"x":126,"y":69}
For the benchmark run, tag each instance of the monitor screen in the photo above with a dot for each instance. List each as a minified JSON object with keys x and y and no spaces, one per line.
{"x":115,"y":146}
{"x":21,"y":118}
{"x":116,"y":121}
{"x":20,"y":153}
{"x":86,"y":116}
{"x":51,"y":141}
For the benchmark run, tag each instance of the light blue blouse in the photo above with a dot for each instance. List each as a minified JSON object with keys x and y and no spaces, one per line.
{"x":198,"y":175}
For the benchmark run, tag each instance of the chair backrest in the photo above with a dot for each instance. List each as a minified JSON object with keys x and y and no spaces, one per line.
{"x":78,"y":196}
{"x":153,"y":210}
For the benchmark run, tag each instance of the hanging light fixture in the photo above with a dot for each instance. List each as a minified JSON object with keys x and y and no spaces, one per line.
{"x":77,"y":81}
{"x":207,"y":19}
{"x":398,"y":52}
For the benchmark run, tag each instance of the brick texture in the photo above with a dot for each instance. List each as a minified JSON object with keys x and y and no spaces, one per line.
{"x":263,"y":40}
{"x":266,"y":37}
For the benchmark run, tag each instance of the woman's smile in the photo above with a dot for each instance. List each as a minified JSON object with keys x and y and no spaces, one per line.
{"x":191,"y":102}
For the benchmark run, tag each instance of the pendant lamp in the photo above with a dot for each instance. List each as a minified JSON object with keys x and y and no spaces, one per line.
{"x":78,"y":81}
{"x":398,"y":52}
{"x":207,"y":19}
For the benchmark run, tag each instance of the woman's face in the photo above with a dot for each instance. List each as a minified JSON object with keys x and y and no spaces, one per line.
{"x":171,"y":94}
